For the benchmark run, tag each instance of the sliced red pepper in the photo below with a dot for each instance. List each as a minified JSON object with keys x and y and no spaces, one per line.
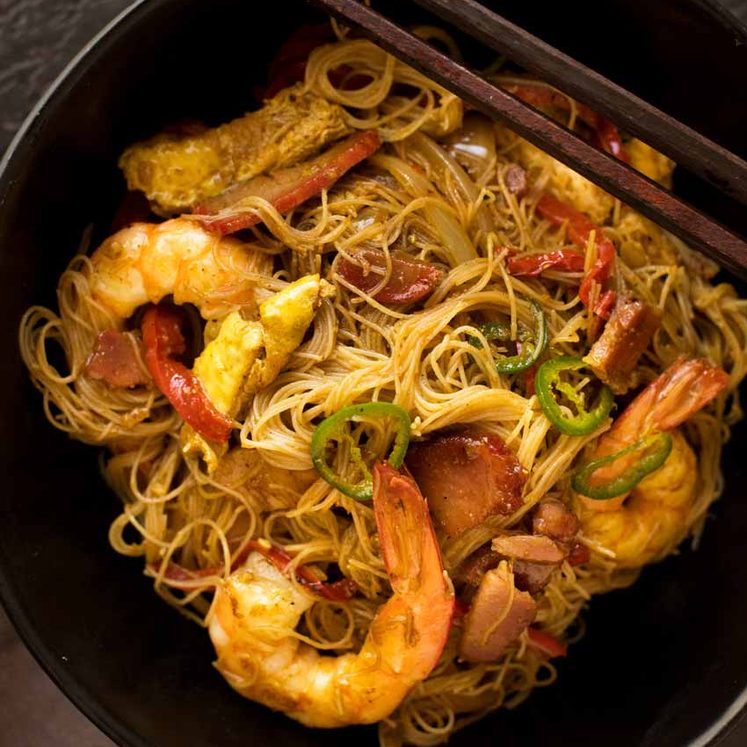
{"x":287,"y":188}
{"x":531,"y":265}
{"x":546,"y":642}
{"x":579,"y":228}
{"x":410,"y":280}
{"x":336,"y":591}
{"x":289,"y":66}
{"x":607,"y":136}
{"x":163,"y":339}
{"x":605,"y":304}
{"x":530,"y":377}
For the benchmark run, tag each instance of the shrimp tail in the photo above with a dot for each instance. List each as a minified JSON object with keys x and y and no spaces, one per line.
{"x":404,"y":525}
{"x":413,"y":560}
{"x":683,"y":389}
{"x":257,"y":609}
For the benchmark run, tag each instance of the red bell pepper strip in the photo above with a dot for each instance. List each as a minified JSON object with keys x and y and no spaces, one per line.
{"x":608,"y":138}
{"x":579,"y":228}
{"x":530,"y":377}
{"x":606,"y":133}
{"x":410,"y":280}
{"x":531,"y":265}
{"x":289,"y":66}
{"x":546,"y":642}
{"x":163,"y":340}
{"x":287,"y":188}
{"x":605,"y":303}
{"x":336,"y":591}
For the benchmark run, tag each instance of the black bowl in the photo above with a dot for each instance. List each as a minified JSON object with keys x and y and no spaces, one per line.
{"x":663,"y":663}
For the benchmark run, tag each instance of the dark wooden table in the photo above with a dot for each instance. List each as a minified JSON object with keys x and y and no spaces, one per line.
{"x":37,"y":38}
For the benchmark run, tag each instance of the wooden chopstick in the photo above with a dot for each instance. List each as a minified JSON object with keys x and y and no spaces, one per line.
{"x":688,"y":148}
{"x":636,"y":190}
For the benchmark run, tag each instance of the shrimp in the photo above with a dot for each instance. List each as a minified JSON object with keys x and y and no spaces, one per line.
{"x":146,"y":262}
{"x":653,"y":519}
{"x":685,"y":387}
{"x":257,"y":608}
{"x":643,"y":525}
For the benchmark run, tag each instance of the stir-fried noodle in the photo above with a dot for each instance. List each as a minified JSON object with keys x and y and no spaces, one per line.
{"x":441,"y":189}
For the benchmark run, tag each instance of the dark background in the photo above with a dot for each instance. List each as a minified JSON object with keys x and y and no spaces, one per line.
{"x":37,"y":39}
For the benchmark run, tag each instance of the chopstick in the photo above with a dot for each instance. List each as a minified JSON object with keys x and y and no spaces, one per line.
{"x":688,"y":148}
{"x":636,"y":190}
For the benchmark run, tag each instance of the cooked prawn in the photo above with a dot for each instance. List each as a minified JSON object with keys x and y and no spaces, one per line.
{"x":684,"y":388}
{"x":653,"y":519}
{"x":644,"y":525}
{"x":146,"y":262}
{"x":257,"y":609}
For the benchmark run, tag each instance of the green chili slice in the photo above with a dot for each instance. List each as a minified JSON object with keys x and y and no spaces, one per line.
{"x":658,"y":446}
{"x":548,"y":381}
{"x":533,"y":343}
{"x":333,"y":428}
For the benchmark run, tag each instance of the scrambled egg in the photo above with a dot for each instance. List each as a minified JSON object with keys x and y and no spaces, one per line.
{"x":573,"y":188}
{"x":642,"y":242}
{"x":223,"y":364}
{"x":565,"y":183}
{"x":177,"y":171}
{"x":245,"y":356}
{"x":650,"y":162}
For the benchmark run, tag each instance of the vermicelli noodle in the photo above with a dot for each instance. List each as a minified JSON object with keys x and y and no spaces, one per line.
{"x":425,"y":194}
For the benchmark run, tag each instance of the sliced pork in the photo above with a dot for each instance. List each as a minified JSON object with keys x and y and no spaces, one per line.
{"x":466,"y":476}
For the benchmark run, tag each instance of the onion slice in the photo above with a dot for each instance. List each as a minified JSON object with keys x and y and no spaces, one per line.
{"x":285,"y":189}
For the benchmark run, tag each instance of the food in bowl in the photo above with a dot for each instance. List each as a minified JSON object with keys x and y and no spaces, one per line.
{"x":387,"y":393}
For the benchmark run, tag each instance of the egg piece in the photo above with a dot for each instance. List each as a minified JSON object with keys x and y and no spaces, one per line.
{"x":565,"y":183}
{"x":247,"y":355}
{"x":650,"y":162}
{"x":175,"y":171}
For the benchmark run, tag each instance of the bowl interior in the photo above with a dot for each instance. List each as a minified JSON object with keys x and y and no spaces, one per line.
{"x":671,"y":651}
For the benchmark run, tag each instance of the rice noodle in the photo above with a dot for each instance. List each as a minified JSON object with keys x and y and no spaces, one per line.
{"x":416,"y":197}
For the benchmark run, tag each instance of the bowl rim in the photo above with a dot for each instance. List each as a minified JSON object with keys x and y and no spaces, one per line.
{"x":85,"y":700}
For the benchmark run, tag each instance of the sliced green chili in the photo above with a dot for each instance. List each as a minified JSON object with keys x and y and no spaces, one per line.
{"x":548,"y":380}
{"x":333,"y":428}
{"x":659,"y":446}
{"x":533,"y":343}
